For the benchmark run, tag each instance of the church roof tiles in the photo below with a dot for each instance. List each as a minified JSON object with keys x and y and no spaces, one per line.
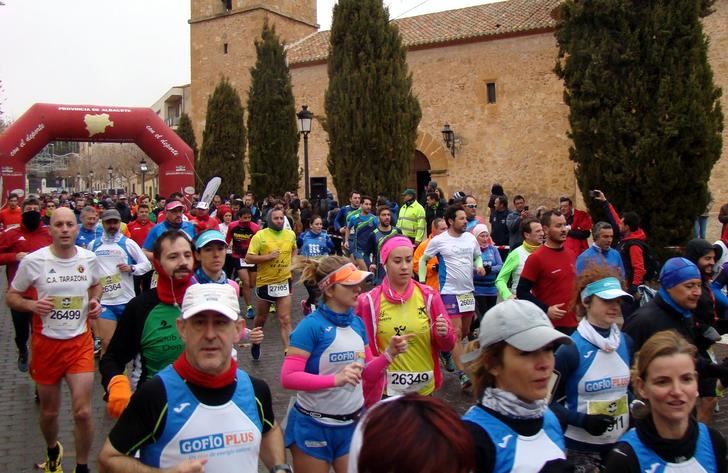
{"x":481,"y":21}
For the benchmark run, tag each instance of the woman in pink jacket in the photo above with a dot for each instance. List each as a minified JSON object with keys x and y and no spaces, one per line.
{"x":402,"y":306}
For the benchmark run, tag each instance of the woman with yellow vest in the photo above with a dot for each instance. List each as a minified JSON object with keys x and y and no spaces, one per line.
{"x":402,"y":306}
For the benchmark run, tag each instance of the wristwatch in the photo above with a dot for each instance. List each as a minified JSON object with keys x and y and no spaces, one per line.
{"x":285,"y":468}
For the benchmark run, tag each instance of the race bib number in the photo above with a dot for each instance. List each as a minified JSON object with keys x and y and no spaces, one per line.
{"x":66,"y":313}
{"x":278,"y":290}
{"x":618,"y":409}
{"x":466,"y":303}
{"x":154,"y":281}
{"x":403,"y":382}
{"x":314,"y":249}
{"x":111,"y":285}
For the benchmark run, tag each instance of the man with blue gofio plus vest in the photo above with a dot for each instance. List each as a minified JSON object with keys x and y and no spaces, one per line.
{"x":202,"y":413}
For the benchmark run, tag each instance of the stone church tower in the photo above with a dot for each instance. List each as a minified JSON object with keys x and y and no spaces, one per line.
{"x":222,"y":35}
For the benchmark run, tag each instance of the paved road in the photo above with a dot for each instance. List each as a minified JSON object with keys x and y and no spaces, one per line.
{"x":21,"y":443}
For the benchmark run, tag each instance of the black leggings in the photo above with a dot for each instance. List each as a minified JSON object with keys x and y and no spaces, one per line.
{"x":482,"y":305}
{"x":21,"y":322}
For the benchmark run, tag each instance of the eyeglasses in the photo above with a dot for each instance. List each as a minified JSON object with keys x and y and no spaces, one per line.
{"x":472,"y":206}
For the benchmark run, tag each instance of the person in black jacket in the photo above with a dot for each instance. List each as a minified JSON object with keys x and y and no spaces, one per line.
{"x":123,"y":207}
{"x":673,"y":309}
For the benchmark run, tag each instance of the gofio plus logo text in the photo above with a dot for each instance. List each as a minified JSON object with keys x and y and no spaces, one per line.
{"x":606,"y":383}
{"x":345,"y":356}
{"x":216,"y":442}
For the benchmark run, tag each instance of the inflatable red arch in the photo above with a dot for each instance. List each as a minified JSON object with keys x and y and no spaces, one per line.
{"x":44,"y":122}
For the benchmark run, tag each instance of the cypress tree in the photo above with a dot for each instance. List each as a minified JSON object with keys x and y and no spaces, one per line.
{"x":645,"y":114}
{"x":272,"y":132}
{"x":223,"y":140}
{"x":184,"y":130}
{"x":371,"y":112}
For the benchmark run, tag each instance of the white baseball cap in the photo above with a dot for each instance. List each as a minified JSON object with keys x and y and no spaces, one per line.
{"x":220,"y":298}
{"x":521,"y":324}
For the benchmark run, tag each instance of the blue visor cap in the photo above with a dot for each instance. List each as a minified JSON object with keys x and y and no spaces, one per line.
{"x":607,"y":288}
{"x":208,"y":237}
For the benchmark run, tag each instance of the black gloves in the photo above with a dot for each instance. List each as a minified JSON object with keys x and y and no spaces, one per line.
{"x":558,"y":466}
{"x":597,"y":424}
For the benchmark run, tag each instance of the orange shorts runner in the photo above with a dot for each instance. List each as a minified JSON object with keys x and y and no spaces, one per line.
{"x":52,"y":359}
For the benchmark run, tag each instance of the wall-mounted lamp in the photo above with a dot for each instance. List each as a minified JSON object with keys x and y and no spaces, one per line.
{"x":448,"y":136}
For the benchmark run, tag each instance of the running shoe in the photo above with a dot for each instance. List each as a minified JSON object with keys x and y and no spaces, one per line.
{"x":255,"y":351}
{"x":448,"y":361}
{"x":272,"y":309}
{"x":465,"y":382}
{"x":55,"y":465}
{"x":97,"y":346}
{"x":251,"y":312}
{"x":23,"y":362}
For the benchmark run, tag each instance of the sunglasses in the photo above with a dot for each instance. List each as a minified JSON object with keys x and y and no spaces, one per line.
{"x":472,"y":206}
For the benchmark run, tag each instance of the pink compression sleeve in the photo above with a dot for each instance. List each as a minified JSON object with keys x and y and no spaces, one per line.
{"x":294,"y":376}
{"x":375,"y":366}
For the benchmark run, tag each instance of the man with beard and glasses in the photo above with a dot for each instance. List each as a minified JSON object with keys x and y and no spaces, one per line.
{"x":549,"y":275}
{"x":272,"y":250}
{"x":173,"y":220}
{"x":15,"y":244}
{"x":147,"y":326}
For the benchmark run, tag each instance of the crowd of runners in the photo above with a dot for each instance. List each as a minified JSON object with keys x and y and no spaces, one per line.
{"x":579,"y":355}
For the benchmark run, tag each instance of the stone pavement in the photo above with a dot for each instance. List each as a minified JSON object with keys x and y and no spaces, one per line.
{"x":21,"y":444}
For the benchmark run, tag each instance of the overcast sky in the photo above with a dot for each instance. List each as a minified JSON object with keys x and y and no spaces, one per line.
{"x":122,"y":52}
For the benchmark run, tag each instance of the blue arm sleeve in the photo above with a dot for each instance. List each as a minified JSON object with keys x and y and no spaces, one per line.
{"x":567,"y":361}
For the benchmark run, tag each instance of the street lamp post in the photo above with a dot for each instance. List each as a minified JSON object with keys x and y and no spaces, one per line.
{"x":305,"y":119}
{"x":78,"y":182}
{"x":91,"y":179}
{"x":143,"y":168}
{"x":110,"y":170}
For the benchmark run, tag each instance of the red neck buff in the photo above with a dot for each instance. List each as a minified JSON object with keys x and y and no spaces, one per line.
{"x":192,"y":375}
{"x":170,"y":291}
